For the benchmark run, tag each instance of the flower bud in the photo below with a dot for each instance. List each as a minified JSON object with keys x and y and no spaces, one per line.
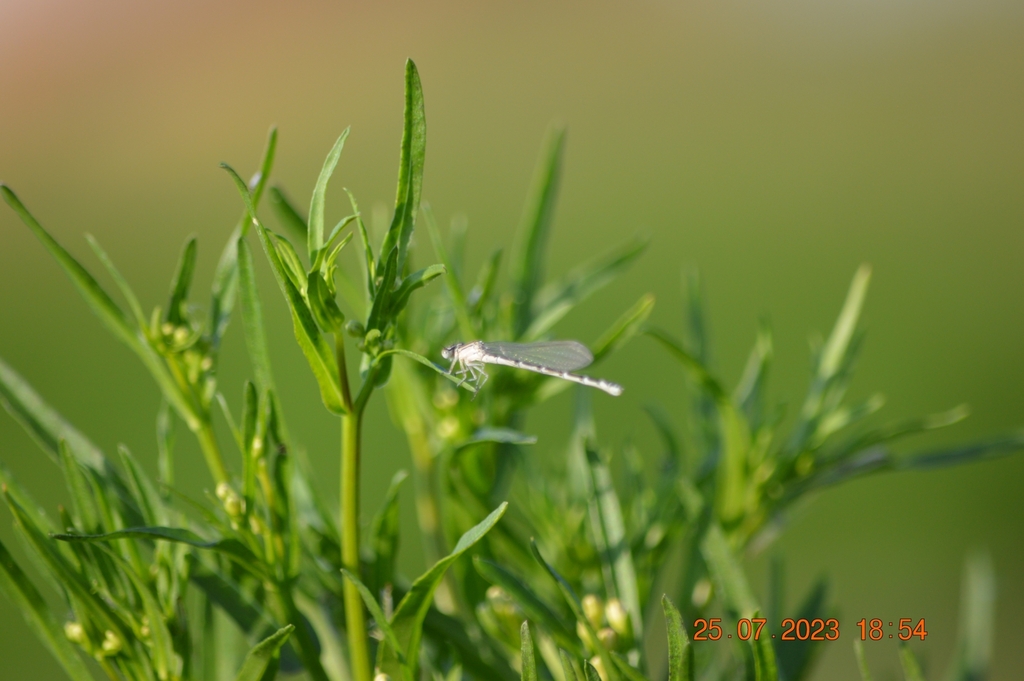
{"x":608,"y":638}
{"x":355,"y":329}
{"x":701,"y":593}
{"x":584,"y":634}
{"x":382,"y":677}
{"x":593,"y":609}
{"x":618,"y":618}
{"x":75,"y":632}
{"x":111,"y":644}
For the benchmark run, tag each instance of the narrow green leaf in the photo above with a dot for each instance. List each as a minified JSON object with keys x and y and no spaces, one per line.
{"x":862,"y":663}
{"x":765,"y":667}
{"x":326,"y":312}
{"x":839,"y":340}
{"x":143,"y":492}
{"x":795,"y":657}
{"x":85,"y":513}
{"x":727,"y":574}
{"x":25,"y":597}
{"x":529,"y":662}
{"x":288,"y":214}
{"x":229,"y":596}
{"x":911,"y":667}
{"x":625,"y":328}
{"x":483,"y":291}
{"x":451,"y":279}
{"x":232,"y":548}
{"x":414,"y":281}
{"x":577,"y":610}
{"x":225,"y":278}
{"x":502,"y":435}
{"x":384,"y":535}
{"x":293,"y":266}
{"x":162,"y":649}
{"x":98,"y":299}
{"x":427,"y":363}
{"x":750,"y":391}
{"x":315,"y":234}
{"x":532,"y":605}
{"x":569,"y":668}
{"x":591,"y":672}
{"x":555,"y":300}
{"x":176,"y":312}
{"x":606,"y":516}
{"x":106,"y":309}
{"x":369,"y":268}
{"x":376,"y":319}
{"x":680,"y":652}
{"x":407,"y":621}
{"x":880,"y":458}
{"x":377,"y":614}
{"x":731,"y":479}
{"x":122,"y":283}
{"x":534,"y":230}
{"x":67,"y":575}
{"x":663,"y":424}
{"x":318,"y":353}
{"x":29,"y":506}
{"x":342,"y":224}
{"x":252,"y":319}
{"x":626,"y":669}
{"x":42,"y":422}
{"x":973,"y":657}
{"x":410,"y":171}
{"x":262,"y":655}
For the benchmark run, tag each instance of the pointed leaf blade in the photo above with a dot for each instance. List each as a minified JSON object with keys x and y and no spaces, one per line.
{"x":263,"y":654}
{"x":315,"y":233}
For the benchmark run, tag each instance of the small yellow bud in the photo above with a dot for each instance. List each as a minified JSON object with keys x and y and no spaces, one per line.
{"x":167,"y":328}
{"x":223,"y":490}
{"x":584,"y":634}
{"x":608,"y":638}
{"x":234,"y":505}
{"x":206,"y":364}
{"x":618,"y":618}
{"x":382,"y":677}
{"x":593,"y":609}
{"x":448,"y":427}
{"x":111,"y":644}
{"x":75,"y":632}
{"x":701,"y":593}
{"x":180,"y":335}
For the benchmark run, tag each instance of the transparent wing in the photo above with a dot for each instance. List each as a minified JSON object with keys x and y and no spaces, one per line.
{"x":557,"y":355}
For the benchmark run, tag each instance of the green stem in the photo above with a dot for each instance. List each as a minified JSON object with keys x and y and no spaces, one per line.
{"x":355,"y":621}
{"x":208,"y":443}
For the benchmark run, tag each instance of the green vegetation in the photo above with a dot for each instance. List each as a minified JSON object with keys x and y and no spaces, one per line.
{"x":537,"y":571}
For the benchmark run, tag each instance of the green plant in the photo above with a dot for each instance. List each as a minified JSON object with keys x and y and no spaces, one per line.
{"x":147,"y":574}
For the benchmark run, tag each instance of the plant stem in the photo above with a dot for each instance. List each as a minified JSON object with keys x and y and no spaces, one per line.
{"x":208,"y":443}
{"x":355,"y":621}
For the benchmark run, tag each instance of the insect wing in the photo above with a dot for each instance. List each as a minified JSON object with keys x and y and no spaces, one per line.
{"x":557,"y":355}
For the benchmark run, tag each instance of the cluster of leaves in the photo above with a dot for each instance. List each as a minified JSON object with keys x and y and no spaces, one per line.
{"x":158,"y":586}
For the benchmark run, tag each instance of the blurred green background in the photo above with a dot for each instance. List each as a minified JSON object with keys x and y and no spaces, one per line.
{"x":773,"y":145}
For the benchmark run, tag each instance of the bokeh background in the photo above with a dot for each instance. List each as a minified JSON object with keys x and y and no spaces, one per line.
{"x":773,"y":145}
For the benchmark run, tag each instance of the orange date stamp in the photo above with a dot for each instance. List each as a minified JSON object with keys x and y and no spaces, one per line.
{"x":803,"y":629}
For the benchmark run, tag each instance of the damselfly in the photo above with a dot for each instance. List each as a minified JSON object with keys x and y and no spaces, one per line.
{"x":551,"y":358}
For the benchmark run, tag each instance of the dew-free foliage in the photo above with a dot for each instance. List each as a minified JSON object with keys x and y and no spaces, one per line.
{"x":541,"y":566}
